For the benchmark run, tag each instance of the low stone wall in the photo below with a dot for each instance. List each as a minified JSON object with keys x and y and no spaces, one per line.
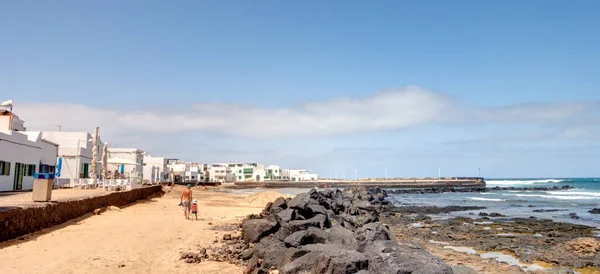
{"x":23,"y":221}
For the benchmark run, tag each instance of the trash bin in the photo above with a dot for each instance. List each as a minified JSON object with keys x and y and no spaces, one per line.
{"x":42,"y":190}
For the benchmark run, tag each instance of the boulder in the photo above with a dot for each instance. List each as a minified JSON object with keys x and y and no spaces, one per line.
{"x":369,"y":233}
{"x":291,"y":254}
{"x":317,"y":209}
{"x":342,"y":236}
{"x":336,"y":259}
{"x":302,"y":265}
{"x":310,"y":236}
{"x":279,"y":202}
{"x":319,"y":221}
{"x":287,"y":215}
{"x":270,"y":250}
{"x":301,"y":202}
{"x":256,"y":229}
{"x":595,"y":211}
{"x":386,"y":256}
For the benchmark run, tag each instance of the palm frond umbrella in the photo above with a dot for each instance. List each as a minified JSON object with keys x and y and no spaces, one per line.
{"x":95,"y":156}
{"x":105,"y":161}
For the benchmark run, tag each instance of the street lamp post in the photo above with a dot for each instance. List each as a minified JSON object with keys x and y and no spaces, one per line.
{"x":386,"y":174}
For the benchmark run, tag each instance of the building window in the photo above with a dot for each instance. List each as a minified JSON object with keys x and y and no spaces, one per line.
{"x":85,"y":171}
{"x":29,"y":170}
{"x":4,"y":168}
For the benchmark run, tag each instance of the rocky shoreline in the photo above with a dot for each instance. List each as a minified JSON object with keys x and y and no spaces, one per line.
{"x":358,"y":231}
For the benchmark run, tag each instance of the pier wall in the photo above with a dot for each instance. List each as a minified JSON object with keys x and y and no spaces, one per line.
{"x":405,"y":183}
{"x":20,"y":221}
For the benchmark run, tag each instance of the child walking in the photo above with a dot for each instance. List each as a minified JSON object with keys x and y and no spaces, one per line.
{"x":195,"y":208}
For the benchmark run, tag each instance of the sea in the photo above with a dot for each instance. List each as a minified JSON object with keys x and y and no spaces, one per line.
{"x":582,"y":197}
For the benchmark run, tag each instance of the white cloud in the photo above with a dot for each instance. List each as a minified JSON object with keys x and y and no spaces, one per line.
{"x":395,"y":109}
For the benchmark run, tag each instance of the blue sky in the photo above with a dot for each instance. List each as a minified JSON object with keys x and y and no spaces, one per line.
{"x":510,"y":87}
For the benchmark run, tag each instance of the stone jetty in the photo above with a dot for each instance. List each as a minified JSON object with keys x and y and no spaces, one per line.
{"x":331,"y":231}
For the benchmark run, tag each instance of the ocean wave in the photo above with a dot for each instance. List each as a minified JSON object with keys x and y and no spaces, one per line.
{"x":523,"y":182}
{"x":485,"y":199}
{"x":574,"y":193}
{"x":560,"y":197}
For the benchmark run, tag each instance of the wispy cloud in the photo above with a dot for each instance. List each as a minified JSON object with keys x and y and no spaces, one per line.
{"x":389,"y":110}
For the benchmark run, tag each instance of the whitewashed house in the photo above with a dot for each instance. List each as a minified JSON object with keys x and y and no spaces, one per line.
{"x":296,"y":175}
{"x":75,"y":149}
{"x":132,"y":160}
{"x":272,"y":173}
{"x":249,"y":172}
{"x":155,"y":169}
{"x":217,"y":172}
{"x":22,"y":154}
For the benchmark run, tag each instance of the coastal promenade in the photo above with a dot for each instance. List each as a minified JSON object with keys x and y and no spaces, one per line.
{"x":19,"y":215}
{"x":381,"y":183}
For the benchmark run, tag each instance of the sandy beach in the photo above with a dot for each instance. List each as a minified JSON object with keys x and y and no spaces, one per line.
{"x":150,"y":235}
{"x":145,"y":237}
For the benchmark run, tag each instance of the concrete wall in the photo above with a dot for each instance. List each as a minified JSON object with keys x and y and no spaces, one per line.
{"x":18,"y":222}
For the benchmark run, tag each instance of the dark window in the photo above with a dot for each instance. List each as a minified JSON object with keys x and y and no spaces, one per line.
{"x":4,"y":168}
{"x":29,"y":170}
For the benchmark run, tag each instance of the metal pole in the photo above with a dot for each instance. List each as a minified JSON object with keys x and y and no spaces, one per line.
{"x":386,"y":174}
{"x":439,"y":173}
{"x":479,"y":172}
{"x":355,"y":175}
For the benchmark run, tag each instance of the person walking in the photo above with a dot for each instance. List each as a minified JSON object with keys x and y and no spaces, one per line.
{"x":186,"y":201}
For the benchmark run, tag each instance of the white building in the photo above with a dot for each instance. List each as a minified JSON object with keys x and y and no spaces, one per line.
{"x":75,"y":149}
{"x":22,"y":154}
{"x":194,"y":173}
{"x":217,"y":172}
{"x":155,"y":169}
{"x":249,"y":172}
{"x":132,"y":160}
{"x":272,"y":173}
{"x":296,"y":175}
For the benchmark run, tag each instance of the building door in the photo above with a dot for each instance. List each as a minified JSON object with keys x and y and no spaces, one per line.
{"x":258,"y":178}
{"x":18,"y":182}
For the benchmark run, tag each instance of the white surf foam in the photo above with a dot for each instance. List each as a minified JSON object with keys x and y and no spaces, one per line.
{"x":485,"y":199}
{"x":560,"y":197}
{"x":574,"y":193}
{"x":523,"y":182}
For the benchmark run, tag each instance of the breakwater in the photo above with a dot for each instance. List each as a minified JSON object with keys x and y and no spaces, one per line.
{"x":16,"y":222}
{"x":473,"y":189}
{"x":395,"y":183}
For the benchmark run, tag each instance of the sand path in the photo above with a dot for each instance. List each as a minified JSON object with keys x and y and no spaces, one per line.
{"x":146,"y":237}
